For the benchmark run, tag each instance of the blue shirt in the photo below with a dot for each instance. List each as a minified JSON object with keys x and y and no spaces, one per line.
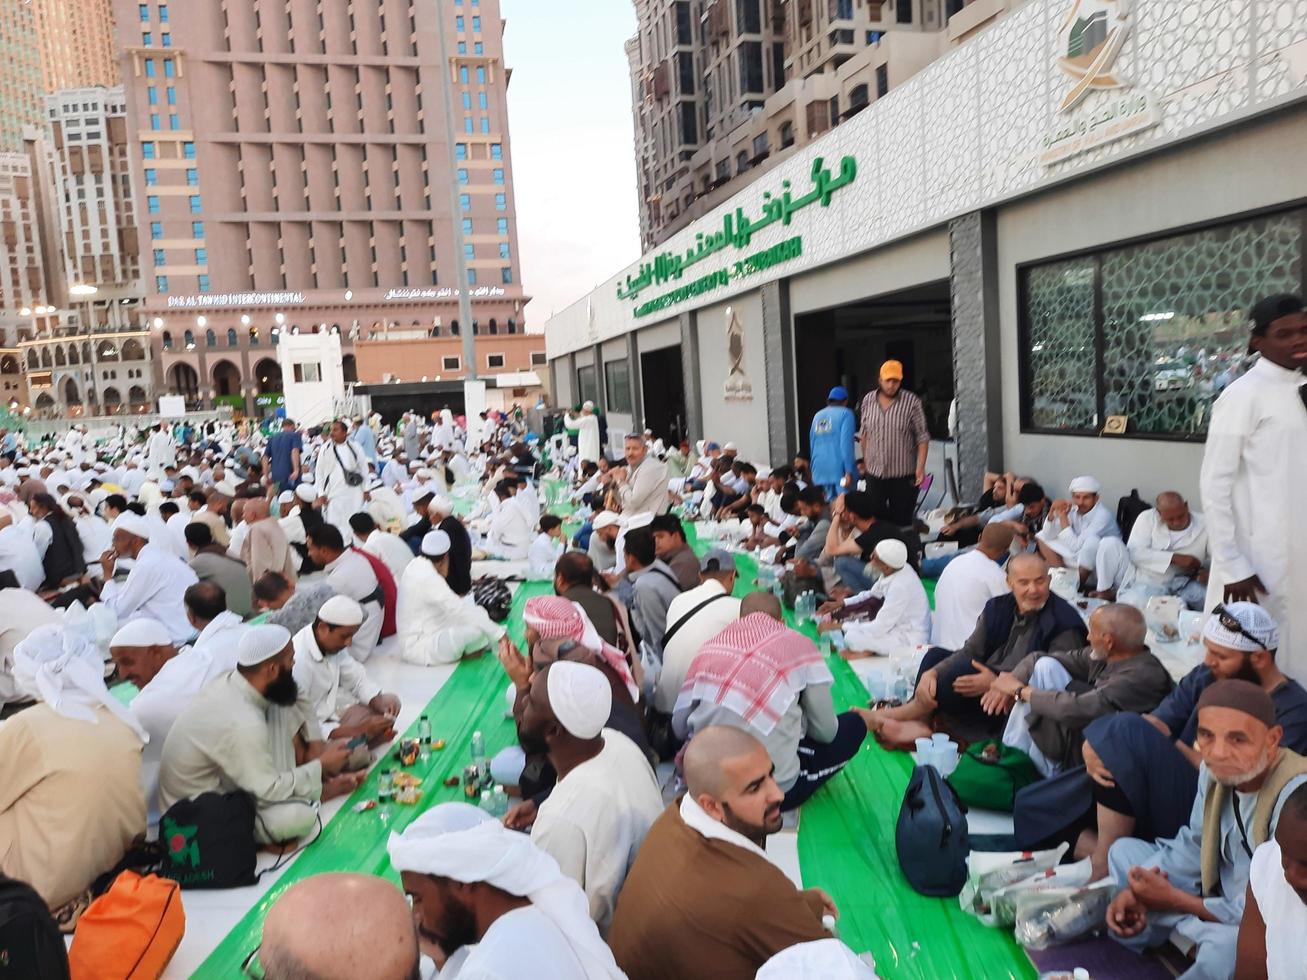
{"x":279,"y":451}
{"x":1179,"y":712}
{"x":831,"y":439}
{"x":366,"y":440}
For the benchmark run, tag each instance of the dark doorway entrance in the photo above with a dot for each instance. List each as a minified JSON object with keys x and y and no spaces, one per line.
{"x":664,"y":394}
{"x":847,"y":344}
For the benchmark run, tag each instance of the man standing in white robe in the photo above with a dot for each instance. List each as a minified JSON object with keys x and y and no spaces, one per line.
{"x":1254,"y":477}
{"x":587,"y":433}
{"x":160,"y":450}
{"x":340,"y":475}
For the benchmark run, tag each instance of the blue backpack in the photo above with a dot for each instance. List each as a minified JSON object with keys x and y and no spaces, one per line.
{"x":931,"y":837}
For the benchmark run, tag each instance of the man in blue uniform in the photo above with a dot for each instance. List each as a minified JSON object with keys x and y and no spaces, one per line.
{"x":832,"y":438}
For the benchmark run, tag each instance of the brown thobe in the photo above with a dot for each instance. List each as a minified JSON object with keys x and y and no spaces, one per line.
{"x":266,"y":549}
{"x":694,"y":907}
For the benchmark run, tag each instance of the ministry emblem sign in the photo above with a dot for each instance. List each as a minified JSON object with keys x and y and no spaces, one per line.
{"x":1090,"y":40}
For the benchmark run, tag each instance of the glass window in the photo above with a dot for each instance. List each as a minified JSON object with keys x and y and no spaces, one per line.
{"x":160,"y":284}
{"x":467,"y":226}
{"x":496,"y":151}
{"x":467,"y":124}
{"x":195,"y":203}
{"x":462,"y":176}
{"x":485,"y":125}
{"x":501,"y":202}
{"x":503,"y":226}
{"x":144,"y":11}
{"x":465,"y":202}
{"x":188,"y":151}
{"x":476,"y":24}
{"x":147,"y":150}
{"x":197,"y":229}
{"x":481,"y":100}
{"x":152,"y":204}
{"x":471,"y":277}
{"x":503,"y":250}
{"x":462,"y":47}
{"x":202,"y":283}
{"x":479,"y":48}
{"x":192,"y":177}
{"x":154,"y":120}
{"x":149,"y":67}
{"x":173,"y":122}
{"x":499,"y":175}
{"x":172,"y":95}
{"x":201,"y":256}
{"x":169,"y":68}
{"x":462,"y":75}
{"x":1154,"y":331}
{"x":460,"y":151}
{"x":617,"y":385}
{"x":151,"y":176}
{"x":467,"y":100}
{"x":494,"y":361}
{"x":481,"y":75}
{"x":587,"y":383}
{"x":460,"y":23}
{"x":163,"y":13}
{"x":152,"y":95}
{"x":451,"y":363}
{"x":469,"y":252}
{"x":160,"y":257}
{"x":165,"y":39}
{"x":156,"y":229}
{"x":147,"y":39}
{"x":506,"y":275}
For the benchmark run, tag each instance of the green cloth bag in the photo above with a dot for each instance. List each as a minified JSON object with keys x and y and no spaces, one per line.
{"x":989,"y":774}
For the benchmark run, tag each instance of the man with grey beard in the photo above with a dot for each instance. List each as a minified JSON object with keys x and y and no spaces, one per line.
{"x":1053,"y":696}
{"x":1195,"y":883}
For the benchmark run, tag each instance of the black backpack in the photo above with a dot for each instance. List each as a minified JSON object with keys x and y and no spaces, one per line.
{"x":1128,"y":510}
{"x":31,"y":946}
{"x":494,"y":597}
{"x":931,"y":837}
{"x":208,"y":842}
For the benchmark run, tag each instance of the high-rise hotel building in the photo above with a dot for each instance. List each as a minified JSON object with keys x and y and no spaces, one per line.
{"x":292,"y":175}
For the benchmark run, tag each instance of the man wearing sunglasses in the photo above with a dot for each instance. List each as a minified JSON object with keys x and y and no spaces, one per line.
{"x":1253,"y":479}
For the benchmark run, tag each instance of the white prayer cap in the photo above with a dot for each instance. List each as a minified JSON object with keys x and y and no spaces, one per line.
{"x":435,"y":544}
{"x":261,"y":643}
{"x":605,"y":518}
{"x":422,"y":491}
{"x":425,"y":474}
{"x":588,"y":404}
{"x":131,"y":523}
{"x":448,"y":842}
{"x":581,"y":697}
{"x":1223,"y":628}
{"x":286,"y":497}
{"x":440,"y":504}
{"x":62,"y":667}
{"x":892,"y":552}
{"x":821,"y":959}
{"x":729,"y":447}
{"x":341,"y":610}
{"x":225,"y":487}
{"x":1086,"y":484}
{"x":142,"y":633}
{"x":307,"y":492}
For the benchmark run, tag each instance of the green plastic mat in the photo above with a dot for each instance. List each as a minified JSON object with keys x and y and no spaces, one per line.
{"x":471,"y":700}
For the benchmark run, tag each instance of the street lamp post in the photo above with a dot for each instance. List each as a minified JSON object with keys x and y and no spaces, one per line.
{"x":455,"y":213}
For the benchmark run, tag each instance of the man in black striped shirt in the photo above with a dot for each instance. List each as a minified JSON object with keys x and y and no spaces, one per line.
{"x":895,"y":442}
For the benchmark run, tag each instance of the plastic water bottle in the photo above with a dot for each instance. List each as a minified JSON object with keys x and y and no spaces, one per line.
{"x":385,"y":787}
{"x":479,"y":756}
{"x":424,"y":737}
{"x":828,"y":923}
{"x":487,"y":802}
{"x":500,"y":799}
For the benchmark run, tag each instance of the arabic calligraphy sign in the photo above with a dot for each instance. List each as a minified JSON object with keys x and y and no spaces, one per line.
{"x":1113,"y":120}
{"x":789,"y":249}
{"x":737,"y":232}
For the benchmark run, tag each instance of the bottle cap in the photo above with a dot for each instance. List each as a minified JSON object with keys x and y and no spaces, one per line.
{"x":828,"y":923}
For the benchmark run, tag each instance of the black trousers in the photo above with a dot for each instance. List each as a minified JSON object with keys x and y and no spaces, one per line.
{"x":894,"y":498}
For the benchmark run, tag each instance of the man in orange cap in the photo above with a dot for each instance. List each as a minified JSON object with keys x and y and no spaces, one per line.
{"x":895,"y":441}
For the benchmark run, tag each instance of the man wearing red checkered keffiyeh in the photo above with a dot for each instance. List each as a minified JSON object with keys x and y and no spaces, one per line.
{"x":555,"y":618}
{"x":759,"y":675}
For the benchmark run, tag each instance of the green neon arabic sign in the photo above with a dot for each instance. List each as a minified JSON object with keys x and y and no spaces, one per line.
{"x":789,"y":249}
{"x":738,"y":229}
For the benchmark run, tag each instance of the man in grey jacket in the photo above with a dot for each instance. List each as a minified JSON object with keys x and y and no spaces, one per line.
{"x":1053,"y":696}
{"x":645,"y":488}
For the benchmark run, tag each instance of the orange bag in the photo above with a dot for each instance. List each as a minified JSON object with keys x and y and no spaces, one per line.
{"x":130,"y":932}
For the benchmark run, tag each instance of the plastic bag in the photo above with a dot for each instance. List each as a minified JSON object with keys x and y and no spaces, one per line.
{"x":1060,"y":915}
{"x":988,"y":871}
{"x":1003,"y":903}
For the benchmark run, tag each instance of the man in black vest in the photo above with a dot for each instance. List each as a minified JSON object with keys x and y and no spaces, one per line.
{"x":1028,"y":619}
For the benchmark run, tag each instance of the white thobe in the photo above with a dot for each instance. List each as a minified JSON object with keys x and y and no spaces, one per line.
{"x":332,"y":683}
{"x":18,"y":554}
{"x":510,"y":531}
{"x":21,"y":612}
{"x":158,"y":706}
{"x":220,"y":640}
{"x":587,"y":436}
{"x":1145,"y":560}
{"x":161,"y":451}
{"x":237,"y":539}
{"x":391,"y":549}
{"x":903,"y":619}
{"x":436,"y":625}
{"x":153,"y":589}
{"x":522,"y":943}
{"x":96,"y":536}
{"x":132,"y":481}
{"x":966,"y":584}
{"x":352,"y":575}
{"x":1253,"y":475}
{"x":1077,"y":539}
{"x":595,"y":845}
{"x":543,"y":555}
{"x":343,"y":501}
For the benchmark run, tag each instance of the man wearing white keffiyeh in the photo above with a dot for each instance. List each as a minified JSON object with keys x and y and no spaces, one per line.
{"x":70,"y":796}
{"x":475,"y":882}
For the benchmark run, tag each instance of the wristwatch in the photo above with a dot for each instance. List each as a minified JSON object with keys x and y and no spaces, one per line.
{"x":1021,"y":694}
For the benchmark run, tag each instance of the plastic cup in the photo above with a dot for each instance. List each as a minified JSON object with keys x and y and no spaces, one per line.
{"x":940,"y":739}
{"x":876,"y":684}
{"x":924,"y":751}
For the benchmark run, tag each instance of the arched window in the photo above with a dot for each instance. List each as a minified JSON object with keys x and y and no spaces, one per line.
{"x":8,"y":364}
{"x":33,"y":358}
{"x":136,"y":395}
{"x":45,"y":357}
{"x":73,"y":356}
{"x":254,"y":336}
{"x":494,"y":325}
{"x":189,"y":337}
{"x":512,"y":324}
{"x":231,"y":337}
{"x":453,"y":328}
{"x":107,"y":351}
{"x":210,"y":338}
{"x":59,"y":359}
{"x":167,"y":340}
{"x":133,"y":351}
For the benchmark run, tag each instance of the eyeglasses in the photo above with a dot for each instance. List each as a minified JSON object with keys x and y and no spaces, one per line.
{"x":251,"y":967}
{"x":1228,"y":620}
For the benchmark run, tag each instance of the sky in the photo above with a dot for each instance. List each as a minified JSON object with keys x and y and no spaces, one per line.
{"x":569,"y":113}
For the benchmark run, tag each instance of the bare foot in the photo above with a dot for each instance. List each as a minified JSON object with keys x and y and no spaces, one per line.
{"x":849,"y":654}
{"x":342,"y":785}
{"x":896,"y":734}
